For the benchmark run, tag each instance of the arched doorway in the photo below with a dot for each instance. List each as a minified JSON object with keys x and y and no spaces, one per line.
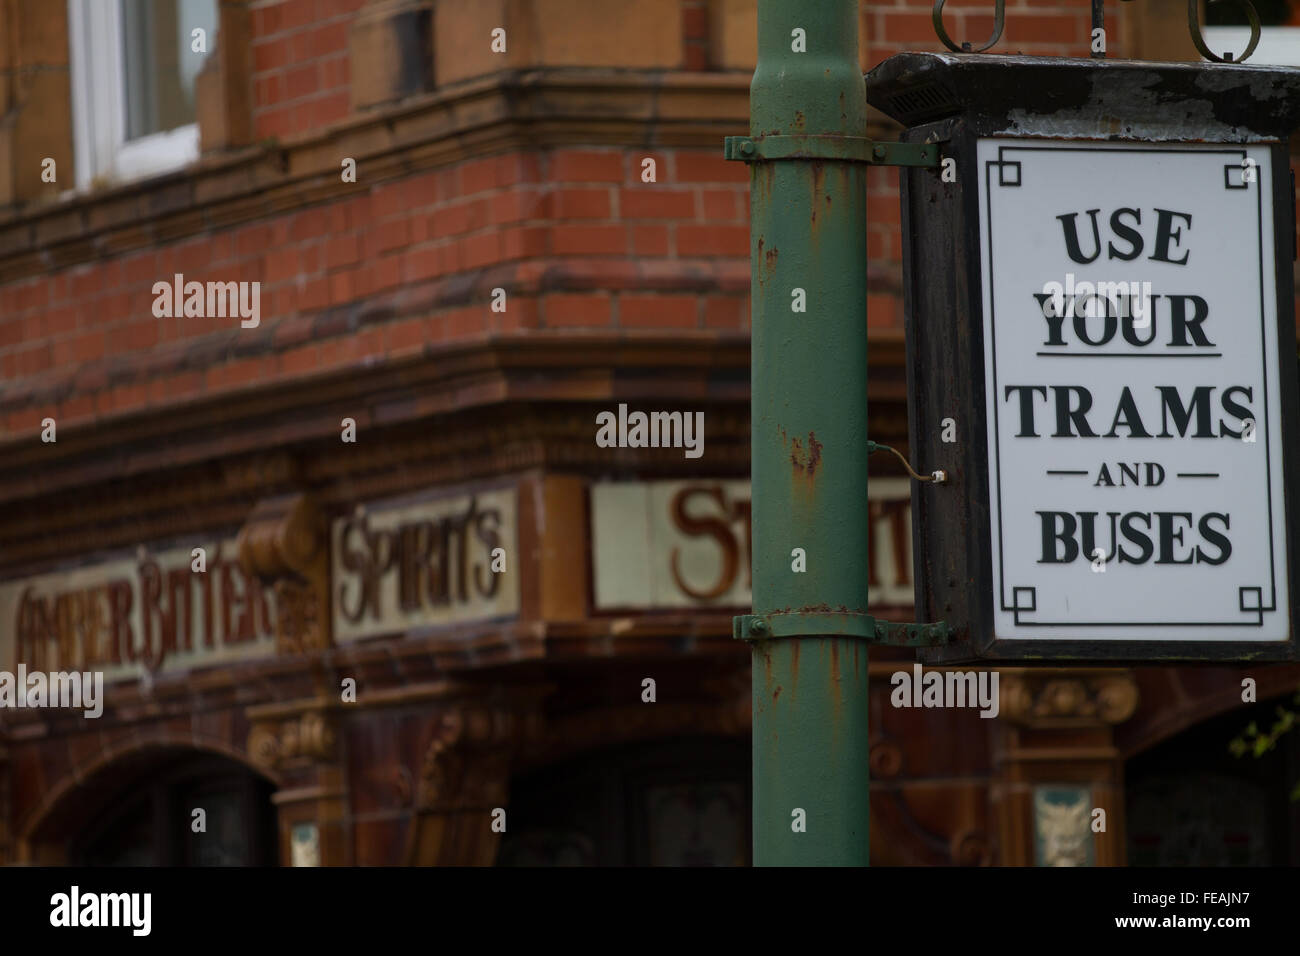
{"x":1190,"y":802}
{"x":139,"y":810}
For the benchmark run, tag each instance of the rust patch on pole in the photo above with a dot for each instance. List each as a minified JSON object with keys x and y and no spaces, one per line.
{"x":818,"y":185}
{"x":806,"y":461}
{"x":837,"y":691}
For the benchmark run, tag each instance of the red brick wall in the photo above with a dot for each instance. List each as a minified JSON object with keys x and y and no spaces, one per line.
{"x":300,"y":64}
{"x":573,"y":235}
{"x":695,"y":34}
{"x":300,"y":47}
{"x":1034,"y":27}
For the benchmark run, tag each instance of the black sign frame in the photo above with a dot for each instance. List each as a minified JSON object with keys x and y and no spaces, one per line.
{"x":956,"y":100}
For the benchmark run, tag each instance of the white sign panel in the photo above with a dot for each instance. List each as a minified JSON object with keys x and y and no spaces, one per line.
{"x":1131,"y":376}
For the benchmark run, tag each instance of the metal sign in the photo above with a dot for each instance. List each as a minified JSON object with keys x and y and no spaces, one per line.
{"x":1131,"y":390}
{"x":1102,"y":355}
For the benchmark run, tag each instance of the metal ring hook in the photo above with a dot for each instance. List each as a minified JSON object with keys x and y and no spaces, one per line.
{"x":1194,"y":25}
{"x":999,"y":18}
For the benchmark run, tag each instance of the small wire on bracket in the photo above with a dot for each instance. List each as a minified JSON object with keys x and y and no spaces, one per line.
{"x":938,"y":477}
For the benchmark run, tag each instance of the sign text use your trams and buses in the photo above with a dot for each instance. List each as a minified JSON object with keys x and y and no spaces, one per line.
{"x":1131,"y":357}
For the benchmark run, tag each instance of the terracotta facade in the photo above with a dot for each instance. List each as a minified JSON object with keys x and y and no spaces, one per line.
{"x":498,"y":273}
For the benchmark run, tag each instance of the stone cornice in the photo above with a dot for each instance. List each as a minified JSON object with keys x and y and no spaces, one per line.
{"x":455,"y":414}
{"x":343,"y":323}
{"x":528,"y":109}
{"x":535,"y":367}
{"x":706,"y":367}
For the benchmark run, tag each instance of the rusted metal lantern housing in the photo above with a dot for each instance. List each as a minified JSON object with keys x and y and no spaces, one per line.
{"x":1122,"y":469}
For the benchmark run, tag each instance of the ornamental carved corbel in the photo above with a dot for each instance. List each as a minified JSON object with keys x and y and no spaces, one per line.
{"x":285,"y":543}
{"x":464,"y":776}
{"x":298,"y":740}
{"x":1051,"y":697}
{"x":467,"y":762}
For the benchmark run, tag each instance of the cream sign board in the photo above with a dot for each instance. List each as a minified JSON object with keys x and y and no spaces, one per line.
{"x":409,"y":565}
{"x":1132,"y":389}
{"x":684,"y":544}
{"x":152,"y":612}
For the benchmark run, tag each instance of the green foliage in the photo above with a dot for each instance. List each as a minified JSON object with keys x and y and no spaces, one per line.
{"x":1255,"y":742}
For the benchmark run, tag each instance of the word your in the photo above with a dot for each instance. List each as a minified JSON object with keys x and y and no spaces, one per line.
{"x":1128,"y":315}
{"x":73,"y":690}
{"x":656,"y":430}
{"x":1083,"y":300}
{"x":213,"y":300}
{"x":950,"y":689}
{"x":103,"y":909}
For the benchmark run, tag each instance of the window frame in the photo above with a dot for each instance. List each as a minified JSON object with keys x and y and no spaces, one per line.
{"x":100,"y":149}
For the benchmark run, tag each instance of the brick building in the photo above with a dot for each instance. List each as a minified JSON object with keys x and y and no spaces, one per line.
{"x":474,"y":225}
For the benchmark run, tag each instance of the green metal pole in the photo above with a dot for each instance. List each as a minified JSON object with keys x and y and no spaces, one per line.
{"x":809,"y":435}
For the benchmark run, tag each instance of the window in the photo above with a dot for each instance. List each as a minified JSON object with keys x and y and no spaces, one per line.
{"x":134,"y":63}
